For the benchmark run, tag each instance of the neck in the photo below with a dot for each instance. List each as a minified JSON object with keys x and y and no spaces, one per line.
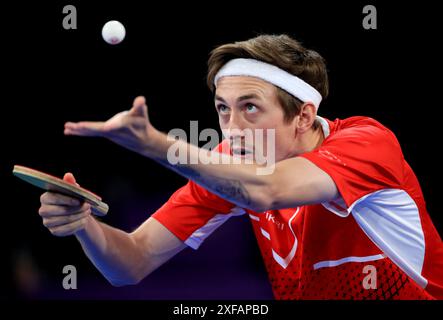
{"x":310,"y":140}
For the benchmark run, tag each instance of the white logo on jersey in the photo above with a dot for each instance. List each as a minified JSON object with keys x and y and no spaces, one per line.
{"x":283,"y":261}
{"x":270,"y":217}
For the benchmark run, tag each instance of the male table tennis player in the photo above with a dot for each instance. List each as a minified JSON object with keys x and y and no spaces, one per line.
{"x":341,"y":202}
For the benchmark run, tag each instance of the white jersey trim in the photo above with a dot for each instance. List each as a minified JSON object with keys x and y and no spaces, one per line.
{"x":340,"y":202}
{"x":391,"y":219}
{"x":335,"y":263}
{"x":324,"y":126}
{"x":196,"y":239}
{"x":284,"y":262}
{"x":265,"y":233}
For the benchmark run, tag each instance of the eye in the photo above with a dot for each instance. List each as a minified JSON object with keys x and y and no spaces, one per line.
{"x":223,"y":109}
{"x":250,"y":108}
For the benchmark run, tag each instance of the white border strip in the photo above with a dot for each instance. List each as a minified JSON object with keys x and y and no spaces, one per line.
{"x":198,"y":236}
{"x":335,"y":263}
{"x":265,"y":234}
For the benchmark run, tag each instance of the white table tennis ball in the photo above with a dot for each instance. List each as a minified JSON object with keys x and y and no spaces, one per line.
{"x":113,"y":32}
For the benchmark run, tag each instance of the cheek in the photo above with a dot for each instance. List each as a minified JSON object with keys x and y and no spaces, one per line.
{"x":283,"y":133}
{"x":223,"y":123}
{"x":284,"y":137}
{"x":272,"y":146}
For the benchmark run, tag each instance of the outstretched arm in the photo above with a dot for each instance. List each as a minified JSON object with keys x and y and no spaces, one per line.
{"x":293,"y":182}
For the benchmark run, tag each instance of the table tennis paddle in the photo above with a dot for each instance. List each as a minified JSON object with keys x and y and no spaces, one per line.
{"x":50,"y":183}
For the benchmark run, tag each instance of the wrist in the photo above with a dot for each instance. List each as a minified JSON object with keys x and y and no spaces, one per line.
{"x":152,"y":148}
{"x":85,"y":232}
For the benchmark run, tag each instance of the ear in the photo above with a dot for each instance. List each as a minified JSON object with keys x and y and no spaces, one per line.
{"x":307,"y":116}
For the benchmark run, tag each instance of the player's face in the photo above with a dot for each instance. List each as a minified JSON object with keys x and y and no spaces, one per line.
{"x":250,"y":103}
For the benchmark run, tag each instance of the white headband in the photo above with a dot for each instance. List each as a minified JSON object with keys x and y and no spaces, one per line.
{"x":272,"y":74}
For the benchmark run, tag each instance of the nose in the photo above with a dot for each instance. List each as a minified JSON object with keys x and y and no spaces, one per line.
{"x":235,"y":127}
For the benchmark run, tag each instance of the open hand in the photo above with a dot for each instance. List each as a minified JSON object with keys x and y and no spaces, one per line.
{"x":130,"y":129}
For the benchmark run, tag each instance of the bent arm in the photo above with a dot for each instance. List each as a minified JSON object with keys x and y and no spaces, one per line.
{"x":126,"y":258}
{"x":291,"y":183}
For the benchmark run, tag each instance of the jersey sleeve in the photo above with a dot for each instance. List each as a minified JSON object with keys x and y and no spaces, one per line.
{"x":192,"y":213}
{"x":361,"y":160}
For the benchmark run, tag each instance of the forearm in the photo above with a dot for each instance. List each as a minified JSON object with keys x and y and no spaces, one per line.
{"x":238,"y":183}
{"x":113,"y":252}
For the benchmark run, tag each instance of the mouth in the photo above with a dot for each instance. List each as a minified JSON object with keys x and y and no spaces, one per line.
{"x":241,"y":152}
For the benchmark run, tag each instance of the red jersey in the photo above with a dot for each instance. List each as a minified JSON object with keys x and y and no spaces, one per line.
{"x":376,"y":242}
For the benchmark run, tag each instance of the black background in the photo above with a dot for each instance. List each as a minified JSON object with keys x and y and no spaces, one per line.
{"x":51,"y":75}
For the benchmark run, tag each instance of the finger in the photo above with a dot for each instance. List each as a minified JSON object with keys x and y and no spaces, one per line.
{"x":52,"y":222}
{"x":84,"y":128}
{"x":58,"y":210}
{"x":140,"y":100}
{"x":116,"y":122}
{"x":69,"y":229}
{"x":59,"y":199}
{"x":139,"y":107}
{"x":69,"y":177}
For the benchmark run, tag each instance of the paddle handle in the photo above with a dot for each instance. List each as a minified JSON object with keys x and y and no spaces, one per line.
{"x":99,"y":209}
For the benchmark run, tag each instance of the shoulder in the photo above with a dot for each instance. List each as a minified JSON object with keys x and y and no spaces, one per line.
{"x":359,"y":129}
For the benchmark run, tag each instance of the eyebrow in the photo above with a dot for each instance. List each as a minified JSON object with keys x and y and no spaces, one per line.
{"x":242,"y":98}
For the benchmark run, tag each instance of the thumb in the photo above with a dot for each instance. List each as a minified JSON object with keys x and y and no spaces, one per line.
{"x":139,"y":107}
{"x":69,"y":177}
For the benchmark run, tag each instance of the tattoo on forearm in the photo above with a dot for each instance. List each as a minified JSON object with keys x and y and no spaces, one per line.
{"x":232,"y":190}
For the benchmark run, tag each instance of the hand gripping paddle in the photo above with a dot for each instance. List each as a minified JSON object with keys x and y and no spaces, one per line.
{"x":54,"y":184}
